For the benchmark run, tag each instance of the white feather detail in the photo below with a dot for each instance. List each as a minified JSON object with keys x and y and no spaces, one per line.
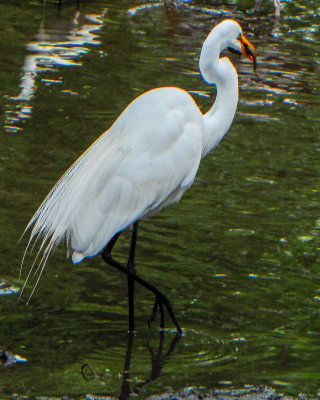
{"x":144,"y":162}
{"x":134,"y":169}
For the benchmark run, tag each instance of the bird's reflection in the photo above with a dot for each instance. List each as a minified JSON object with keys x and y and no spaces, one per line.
{"x":158,"y":359}
{"x":58,"y":42}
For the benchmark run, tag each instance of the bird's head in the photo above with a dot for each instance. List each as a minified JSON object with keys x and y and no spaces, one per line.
{"x":235,"y":41}
{"x":225,"y":35}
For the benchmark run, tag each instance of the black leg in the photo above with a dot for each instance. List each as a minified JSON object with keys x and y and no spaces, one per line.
{"x":131,"y":267}
{"x":110,"y":245}
{"x":161,"y":299}
{"x":157,"y":303}
{"x":125,"y":388}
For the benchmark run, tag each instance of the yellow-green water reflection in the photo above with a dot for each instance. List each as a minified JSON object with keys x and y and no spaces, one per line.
{"x":238,"y":257}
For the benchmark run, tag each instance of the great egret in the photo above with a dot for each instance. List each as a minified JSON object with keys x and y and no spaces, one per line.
{"x":145,"y":161}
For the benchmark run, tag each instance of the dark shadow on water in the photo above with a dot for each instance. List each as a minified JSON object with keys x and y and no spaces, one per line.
{"x":159,"y":357}
{"x":60,"y":3}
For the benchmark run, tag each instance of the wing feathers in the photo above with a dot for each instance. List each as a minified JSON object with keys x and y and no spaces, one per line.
{"x":144,"y":162}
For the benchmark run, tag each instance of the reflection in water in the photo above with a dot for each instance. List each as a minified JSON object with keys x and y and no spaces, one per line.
{"x":78,"y":4}
{"x":277,"y":7}
{"x":258,"y":4}
{"x":175,"y":11}
{"x":7,"y":288}
{"x":7,"y":358}
{"x":158,"y":360}
{"x":59,"y":43}
{"x":249,"y":286}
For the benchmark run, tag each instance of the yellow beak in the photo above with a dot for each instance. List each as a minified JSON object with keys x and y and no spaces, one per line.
{"x":248,"y":50}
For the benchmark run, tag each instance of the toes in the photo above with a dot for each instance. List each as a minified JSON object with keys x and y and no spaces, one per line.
{"x":154,"y":311}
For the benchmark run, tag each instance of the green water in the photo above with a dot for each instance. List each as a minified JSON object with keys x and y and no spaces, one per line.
{"x":238,"y":256}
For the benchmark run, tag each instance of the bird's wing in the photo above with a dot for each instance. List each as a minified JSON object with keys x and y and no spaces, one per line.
{"x":159,"y":141}
{"x":143,"y":162}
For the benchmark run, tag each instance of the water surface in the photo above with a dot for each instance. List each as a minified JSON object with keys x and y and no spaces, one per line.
{"x":238,"y":256}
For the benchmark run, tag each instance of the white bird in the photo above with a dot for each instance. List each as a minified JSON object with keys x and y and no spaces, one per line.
{"x":144,"y":162}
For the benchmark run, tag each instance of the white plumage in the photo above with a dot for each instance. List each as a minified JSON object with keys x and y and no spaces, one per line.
{"x":145,"y":161}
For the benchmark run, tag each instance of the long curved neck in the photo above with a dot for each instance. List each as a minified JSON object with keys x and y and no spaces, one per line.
{"x":218,"y":119}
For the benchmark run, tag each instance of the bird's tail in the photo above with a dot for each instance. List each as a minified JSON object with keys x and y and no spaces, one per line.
{"x":56,"y":217}
{"x":51,"y":223}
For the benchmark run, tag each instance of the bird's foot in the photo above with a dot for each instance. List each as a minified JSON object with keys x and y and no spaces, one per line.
{"x":160,"y":301}
{"x":157,"y":303}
